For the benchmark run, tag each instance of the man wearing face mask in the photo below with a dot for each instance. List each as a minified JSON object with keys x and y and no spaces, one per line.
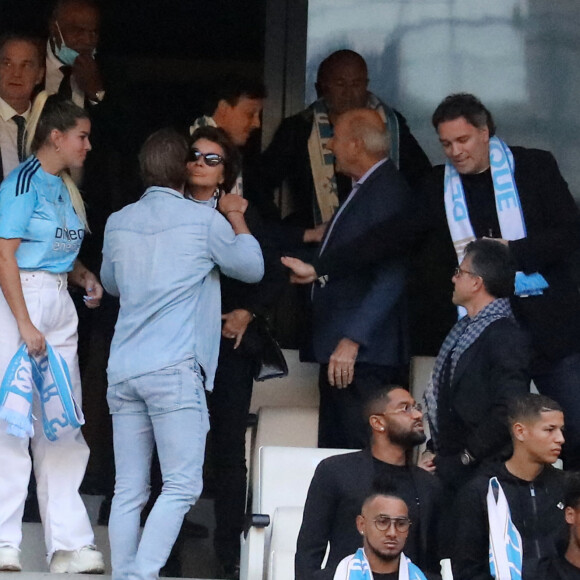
{"x":71,"y":69}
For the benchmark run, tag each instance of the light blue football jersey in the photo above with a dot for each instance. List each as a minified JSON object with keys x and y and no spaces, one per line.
{"x":35,"y":206}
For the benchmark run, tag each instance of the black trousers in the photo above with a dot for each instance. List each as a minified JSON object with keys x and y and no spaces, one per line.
{"x":341,"y":423}
{"x":229,"y":405}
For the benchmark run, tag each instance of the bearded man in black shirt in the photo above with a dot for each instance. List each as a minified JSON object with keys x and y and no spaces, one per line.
{"x":341,"y":484}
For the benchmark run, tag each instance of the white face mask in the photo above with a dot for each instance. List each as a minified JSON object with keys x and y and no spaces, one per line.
{"x":65,"y":54}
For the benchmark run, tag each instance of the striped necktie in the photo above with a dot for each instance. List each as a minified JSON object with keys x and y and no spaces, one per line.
{"x":21,"y":124}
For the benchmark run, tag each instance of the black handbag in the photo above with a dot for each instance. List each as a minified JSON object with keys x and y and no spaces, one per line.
{"x":259,"y":344}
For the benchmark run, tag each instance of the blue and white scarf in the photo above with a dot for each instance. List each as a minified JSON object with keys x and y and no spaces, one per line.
{"x":356,"y":567}
{"x":322,"y":160}
{"x":508,"y":207}
{"x":465,"y":332}
{"x":505,"y":542}
{"x":50,"y":376}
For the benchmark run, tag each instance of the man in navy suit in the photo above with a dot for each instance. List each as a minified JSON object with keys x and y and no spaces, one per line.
{"x":359,"y":326}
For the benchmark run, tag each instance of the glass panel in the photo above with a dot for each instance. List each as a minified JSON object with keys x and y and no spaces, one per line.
{"x":518,"y":56}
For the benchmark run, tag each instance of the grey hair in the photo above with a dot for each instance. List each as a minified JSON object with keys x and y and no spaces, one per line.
{"x":376,"y":139}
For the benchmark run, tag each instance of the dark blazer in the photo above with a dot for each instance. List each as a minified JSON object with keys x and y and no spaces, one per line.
{"x":489,"y":373}
{"x":287,"y":159}
{"x":339,"y":486}
{"x":367,"y":307}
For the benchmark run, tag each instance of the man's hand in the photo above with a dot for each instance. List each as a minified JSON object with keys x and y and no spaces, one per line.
{"x":427,"y":461}
{"x":87,"y":75}
{"x":312,"y":235}
{"x":302,"y":273}
{"x":232,"y":202}
{"x":235,"y":324}
{"x":341,"y":363}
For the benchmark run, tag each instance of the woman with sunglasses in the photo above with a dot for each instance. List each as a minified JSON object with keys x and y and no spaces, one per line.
{"x":42,"y":225}
{"x":213,"y":167}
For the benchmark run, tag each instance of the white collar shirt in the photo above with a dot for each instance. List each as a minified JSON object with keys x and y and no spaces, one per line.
{"x":9,"y":136}
{"x":54,"y":77}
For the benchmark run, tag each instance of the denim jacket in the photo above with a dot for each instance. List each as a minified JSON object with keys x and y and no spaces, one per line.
{"x":160,"y":256}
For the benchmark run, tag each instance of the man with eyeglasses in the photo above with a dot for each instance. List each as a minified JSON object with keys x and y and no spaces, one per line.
{"x":384,"y":525}
{"x":483,"y":363}
{"x":341,"y":484}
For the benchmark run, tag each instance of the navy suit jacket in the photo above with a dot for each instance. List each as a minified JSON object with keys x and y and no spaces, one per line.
{"x":368,"y":306}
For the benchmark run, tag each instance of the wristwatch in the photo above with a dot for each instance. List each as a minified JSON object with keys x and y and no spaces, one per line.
{"x":466,"y":457}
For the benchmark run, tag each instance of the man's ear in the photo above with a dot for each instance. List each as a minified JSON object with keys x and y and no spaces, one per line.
{"x":377,"y":423}
{"x":519,"y":431}
{"x":221,"y":107}
{"x":477,"y":283}
{"x":360,"y":525}
{"x":569,"y":515}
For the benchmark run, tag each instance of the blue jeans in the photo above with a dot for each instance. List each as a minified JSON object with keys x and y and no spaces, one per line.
{"x":165,"y":408}
{"x":561,"y":382}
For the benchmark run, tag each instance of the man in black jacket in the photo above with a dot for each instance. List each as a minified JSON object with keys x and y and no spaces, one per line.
{"x":533,"y":488}
{"x":341,"y":484}
{"x":482,"y":364}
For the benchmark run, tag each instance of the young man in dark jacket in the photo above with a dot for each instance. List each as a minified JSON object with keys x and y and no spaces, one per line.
{"x":534,"y":491}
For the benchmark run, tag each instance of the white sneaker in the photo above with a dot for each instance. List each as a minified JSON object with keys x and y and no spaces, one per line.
{"x":86,"y":560}
{"x":9,"y":559}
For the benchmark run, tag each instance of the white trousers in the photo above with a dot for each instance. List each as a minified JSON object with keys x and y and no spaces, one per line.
{"x":59,"y":466}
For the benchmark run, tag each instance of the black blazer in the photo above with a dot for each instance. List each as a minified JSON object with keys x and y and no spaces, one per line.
{"x":338,"y":488}
{"x":490,"y":372}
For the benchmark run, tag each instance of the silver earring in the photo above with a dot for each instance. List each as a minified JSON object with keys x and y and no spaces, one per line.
{"x":382,"y":429}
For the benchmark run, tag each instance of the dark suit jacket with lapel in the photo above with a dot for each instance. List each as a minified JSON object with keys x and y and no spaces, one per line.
{"x":367,"y":307}
{"x":490,"y":372}
{"x":338,"y":488}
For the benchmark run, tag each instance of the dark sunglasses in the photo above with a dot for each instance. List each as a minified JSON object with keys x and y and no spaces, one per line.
{"x":210,"y":159}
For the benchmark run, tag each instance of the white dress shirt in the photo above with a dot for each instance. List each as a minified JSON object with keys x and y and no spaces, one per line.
{"x":9,"y":136}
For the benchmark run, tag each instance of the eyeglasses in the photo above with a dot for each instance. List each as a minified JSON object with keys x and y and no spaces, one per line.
{"x":383,"y":523}
{"x":210,"y":159}
{"x":459,"y":271}
{"x":406,"y":408}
